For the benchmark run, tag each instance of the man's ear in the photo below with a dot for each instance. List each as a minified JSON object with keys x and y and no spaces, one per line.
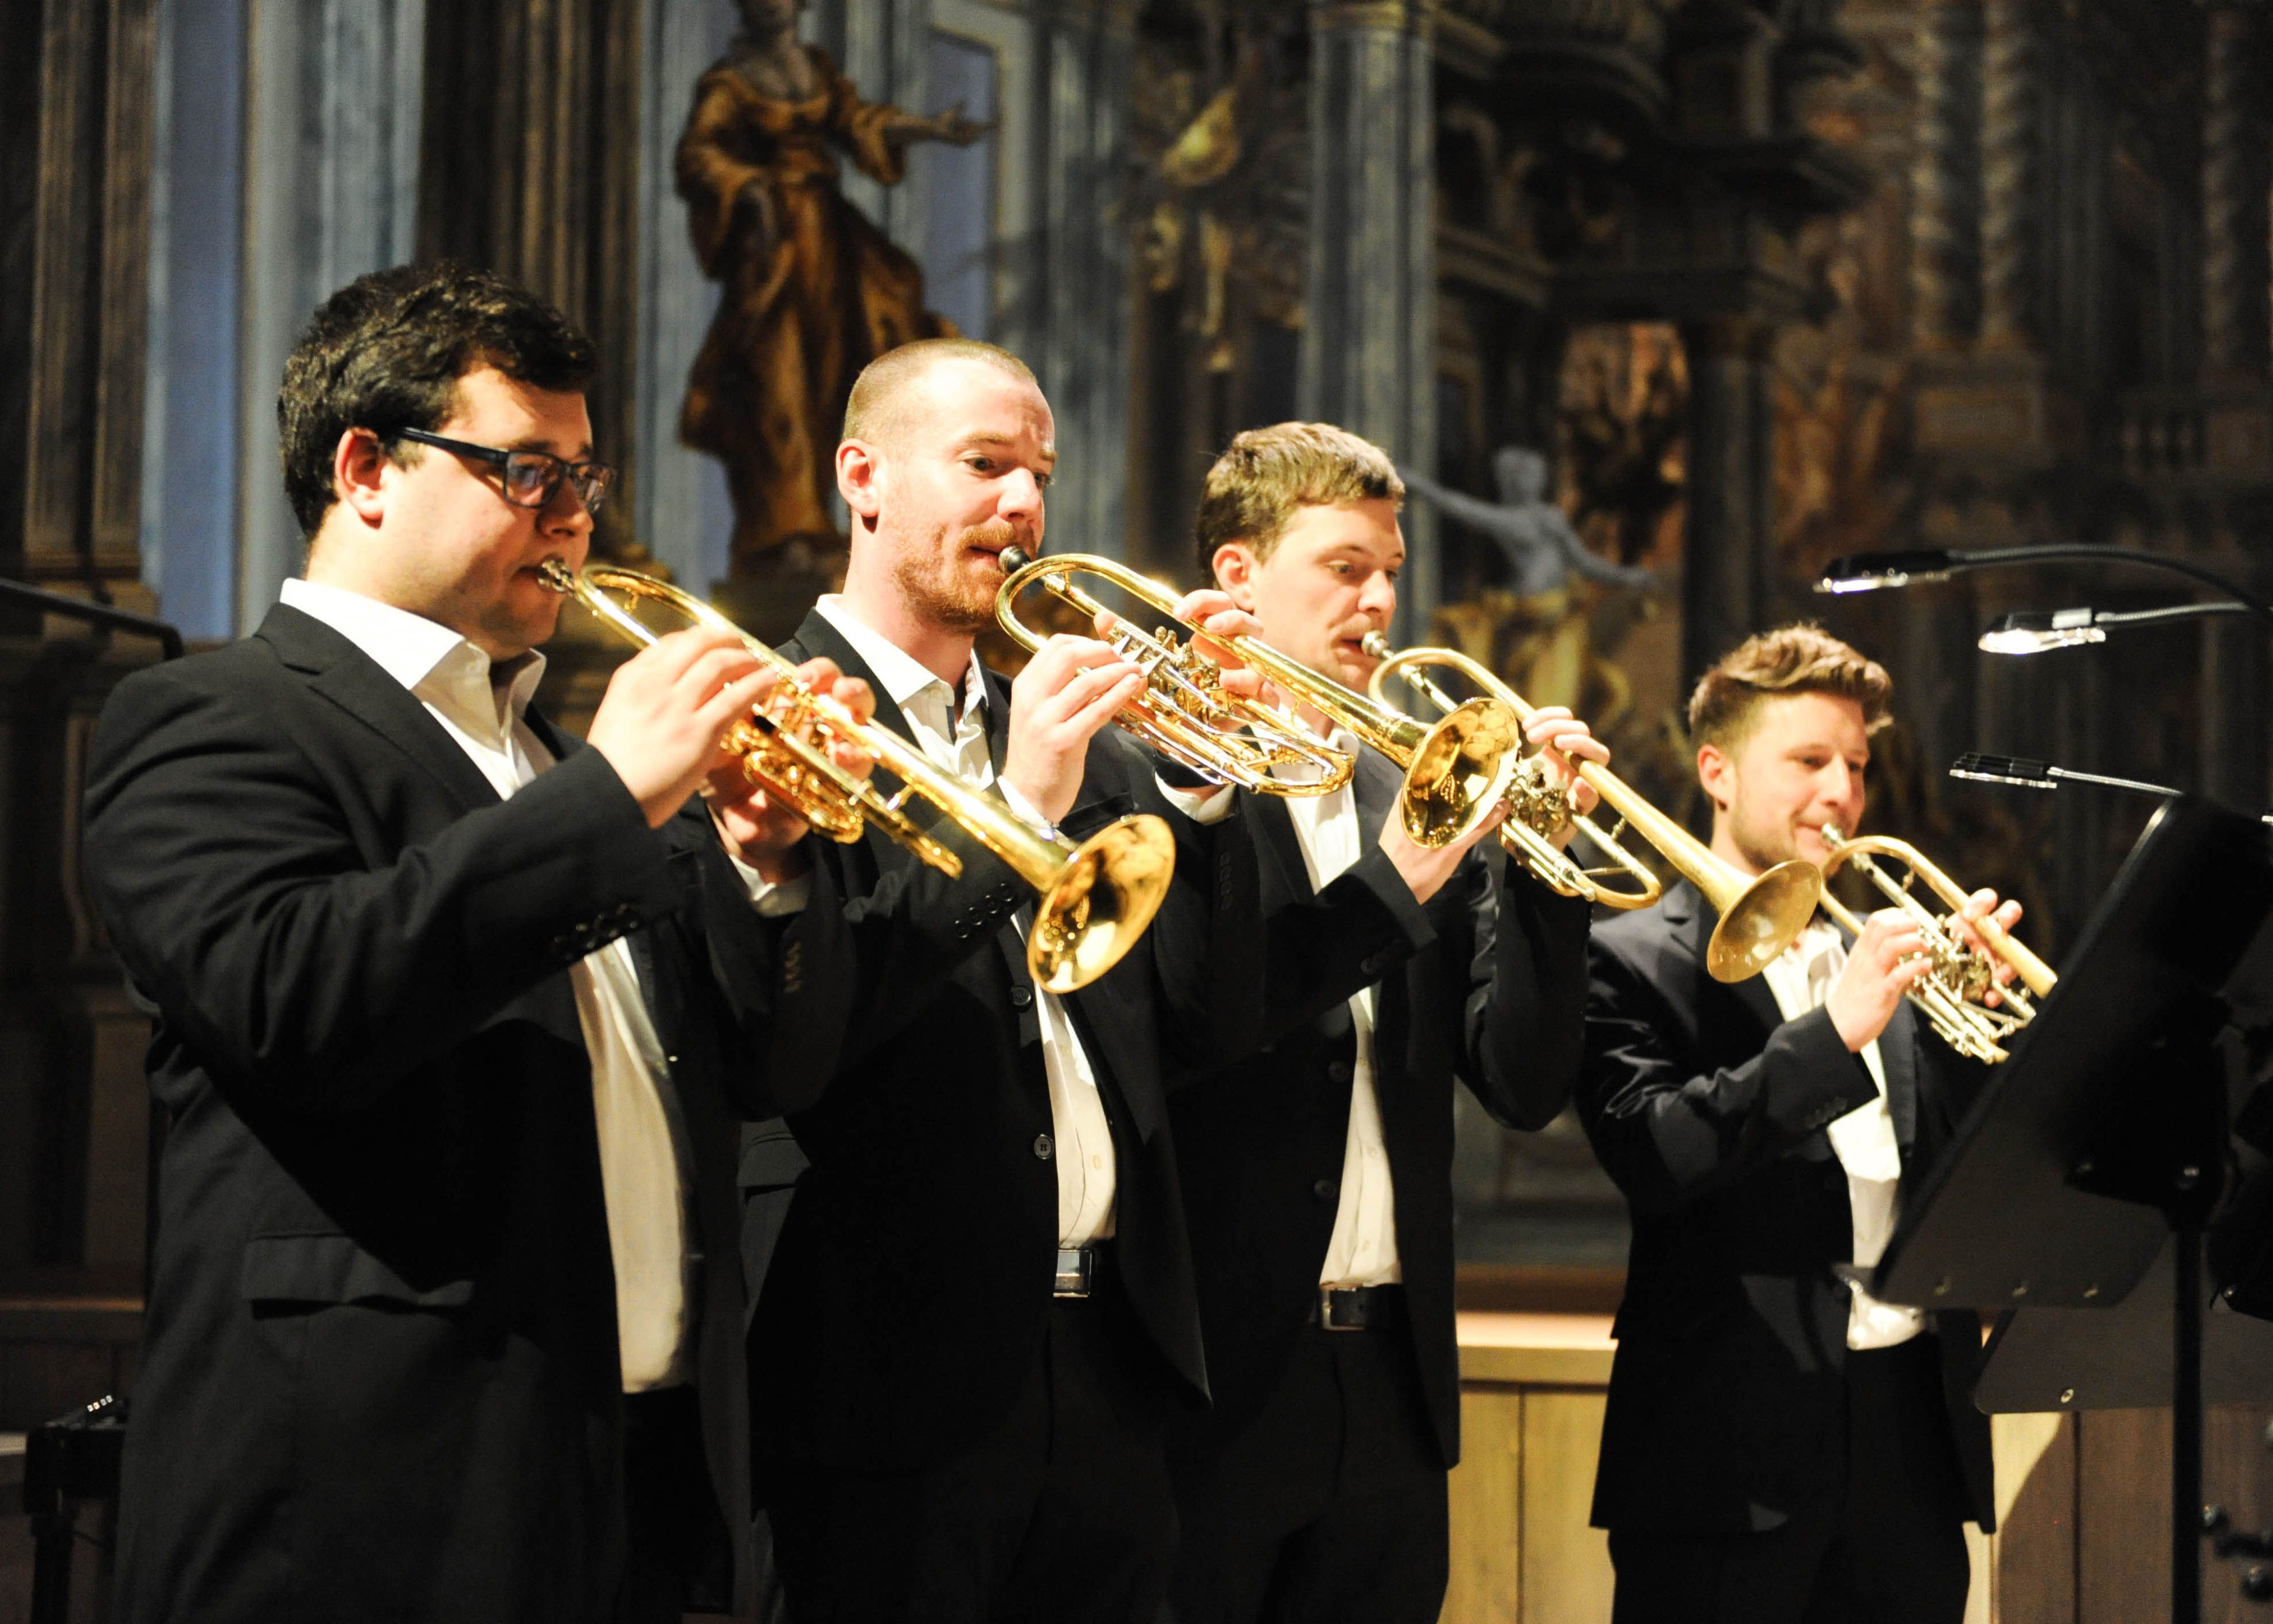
{"x":859,"y":478}
{"x":1234,"y":564}
{"x":1717,"y":775}
{"x":359,"y":465}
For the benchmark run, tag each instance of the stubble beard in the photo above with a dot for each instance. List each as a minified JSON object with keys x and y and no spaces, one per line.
{"x":934,"y":582}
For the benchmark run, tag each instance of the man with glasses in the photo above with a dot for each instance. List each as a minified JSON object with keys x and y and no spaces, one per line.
{"x":451,"y":1014}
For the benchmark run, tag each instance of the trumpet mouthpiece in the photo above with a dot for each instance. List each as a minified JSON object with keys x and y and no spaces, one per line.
{"x":1014,"y":559}
{"x":555,"y":574}
{"x":1375,"y":644}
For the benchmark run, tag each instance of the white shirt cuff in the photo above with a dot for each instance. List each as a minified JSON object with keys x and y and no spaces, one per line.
{"x":1210,"y":805}
{"x":1023,"y":808}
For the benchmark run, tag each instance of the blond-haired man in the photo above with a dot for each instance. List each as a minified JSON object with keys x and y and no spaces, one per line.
{"x":1780,"y":1446}
{"x":1317,"y":1172}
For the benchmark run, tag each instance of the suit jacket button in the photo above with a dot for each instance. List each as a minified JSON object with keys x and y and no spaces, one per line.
{"x":1043,"y":1148}
{"x":1339,"y":1073}
{"x":1021,"y":996}
{"x":1324,"y":1189}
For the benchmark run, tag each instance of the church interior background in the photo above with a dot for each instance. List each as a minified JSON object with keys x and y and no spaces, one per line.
{"x":1681,"y":298}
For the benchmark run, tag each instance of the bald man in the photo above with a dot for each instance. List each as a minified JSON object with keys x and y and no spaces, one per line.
{"x":979,"y":1314}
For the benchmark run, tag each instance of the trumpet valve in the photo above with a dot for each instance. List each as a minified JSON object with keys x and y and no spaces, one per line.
{"x":1535,"y":801}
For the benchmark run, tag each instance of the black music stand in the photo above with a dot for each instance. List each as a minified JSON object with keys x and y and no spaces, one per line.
{"x":2105,"y":1135}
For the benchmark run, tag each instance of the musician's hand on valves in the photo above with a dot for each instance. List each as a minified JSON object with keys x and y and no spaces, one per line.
{"x":1981,"y":904}
{"x":760,"y":828}
{"x":1070,"y":689}
{"x":1220,"y":620}
{"x":1425,"y":868}
{"x":1563,"y":741}
{"x":1885,"y":959}
{"x":660,"y":722}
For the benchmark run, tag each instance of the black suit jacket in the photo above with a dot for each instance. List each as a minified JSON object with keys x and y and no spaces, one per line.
{"x":380,"y":1374}
{"x":1490,"y":988}
{"x":1708,"y":1108}
{"x":910,"y":1275}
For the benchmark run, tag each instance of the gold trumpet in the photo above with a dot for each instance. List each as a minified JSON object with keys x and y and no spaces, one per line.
{"x":1095,"y":899}
{"x":1759,"y":916}
{"x":1950,"y":993}
{"x":1456,"y":772}
{"x":1183,"y":710}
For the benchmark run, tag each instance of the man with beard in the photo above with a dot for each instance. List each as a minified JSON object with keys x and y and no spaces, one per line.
{"x":1780,"y":1446}
{"x":978,"y":1316}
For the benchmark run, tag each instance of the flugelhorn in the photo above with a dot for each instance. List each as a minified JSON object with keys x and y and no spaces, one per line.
{"x":1761,"y":916}
{"x":1455,"y":772}
{"x":1183,"y":710}
{"x":1095,"y":899}
{"x":1949,"y":993}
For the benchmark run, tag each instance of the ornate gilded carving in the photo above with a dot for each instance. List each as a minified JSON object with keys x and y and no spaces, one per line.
{"x":2234,"y":179}
{"x":2009,"y":133}
{"x":1945,"y":186}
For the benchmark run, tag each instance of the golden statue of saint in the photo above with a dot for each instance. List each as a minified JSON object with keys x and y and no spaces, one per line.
{"x":810,"y":291}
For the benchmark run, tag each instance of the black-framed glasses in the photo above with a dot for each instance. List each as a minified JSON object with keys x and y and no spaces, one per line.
{"x":530,"y":477}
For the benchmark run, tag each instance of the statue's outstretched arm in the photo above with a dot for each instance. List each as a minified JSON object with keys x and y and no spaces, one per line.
{"x":1487,"y":517}
{"x":1590,"y":563}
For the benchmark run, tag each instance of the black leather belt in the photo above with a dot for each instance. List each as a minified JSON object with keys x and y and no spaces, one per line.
{"x":1358,"y":1308}
{"x":1081,"y":1269}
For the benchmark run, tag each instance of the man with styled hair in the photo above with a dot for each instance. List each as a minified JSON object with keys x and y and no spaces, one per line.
{"x":451,"y":1014}
{"x":1780,"y":1446}
{"x":1318,"y":1170}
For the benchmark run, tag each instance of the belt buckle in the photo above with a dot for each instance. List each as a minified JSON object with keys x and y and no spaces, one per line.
{"x":1077,"y":1274}
{"x":1329,"y":1318}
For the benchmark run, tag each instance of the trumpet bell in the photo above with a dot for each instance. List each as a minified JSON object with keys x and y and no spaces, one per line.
{"x":1461,"y":772}
{"x":1103,"y":898}
{"x":1759,"y":918}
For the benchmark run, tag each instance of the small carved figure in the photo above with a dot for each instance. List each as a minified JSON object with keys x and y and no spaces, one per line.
{"x":811,"y":290}
{"x":1536,"y":632}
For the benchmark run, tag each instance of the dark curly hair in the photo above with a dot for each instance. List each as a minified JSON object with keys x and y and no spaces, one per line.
{"x":1799,"y":659}
{"x":386,"y":352}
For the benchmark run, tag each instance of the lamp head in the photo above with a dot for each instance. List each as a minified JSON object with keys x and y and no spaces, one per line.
{"x":2018,"y":769}
{"x":1865,"y":572}
{"x":2032,"y":631}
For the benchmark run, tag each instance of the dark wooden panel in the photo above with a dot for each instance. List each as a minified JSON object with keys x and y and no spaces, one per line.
{"x":2123,"y":1513}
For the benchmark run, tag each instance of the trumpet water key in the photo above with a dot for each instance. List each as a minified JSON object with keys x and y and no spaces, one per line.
{"x":1761,"y":916}
{"x":1183,"y":710}
{"x":1094,"y":900}
{"x":1949,"y":994}
{"x":1456,"y":772}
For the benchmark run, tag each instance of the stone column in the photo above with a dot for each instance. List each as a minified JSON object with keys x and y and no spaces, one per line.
{"x":78,"y":107}
{"x":1731,"y":484}
{"x":1368,"y":354}
{"x":1079,"y":285}
{"x":1944,"y":179}
{"x":2010,"y":131}
{"x":332,"y":100}
{"x":2236,"y":174}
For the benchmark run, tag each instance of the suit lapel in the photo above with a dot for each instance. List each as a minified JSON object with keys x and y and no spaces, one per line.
{"x":1375,"y":784}
{"x":1898,"y":1054}
{"x":1753,"y":992}
{"x":358,"y":685}
{"x":1898,"y":1058}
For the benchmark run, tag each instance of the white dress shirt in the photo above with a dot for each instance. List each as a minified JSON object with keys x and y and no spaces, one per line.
{"x":1864,"y":1139}
{"x":641,"y":1138}
{"x":1083,"y":1139}
{"x":1362,"y":1251}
